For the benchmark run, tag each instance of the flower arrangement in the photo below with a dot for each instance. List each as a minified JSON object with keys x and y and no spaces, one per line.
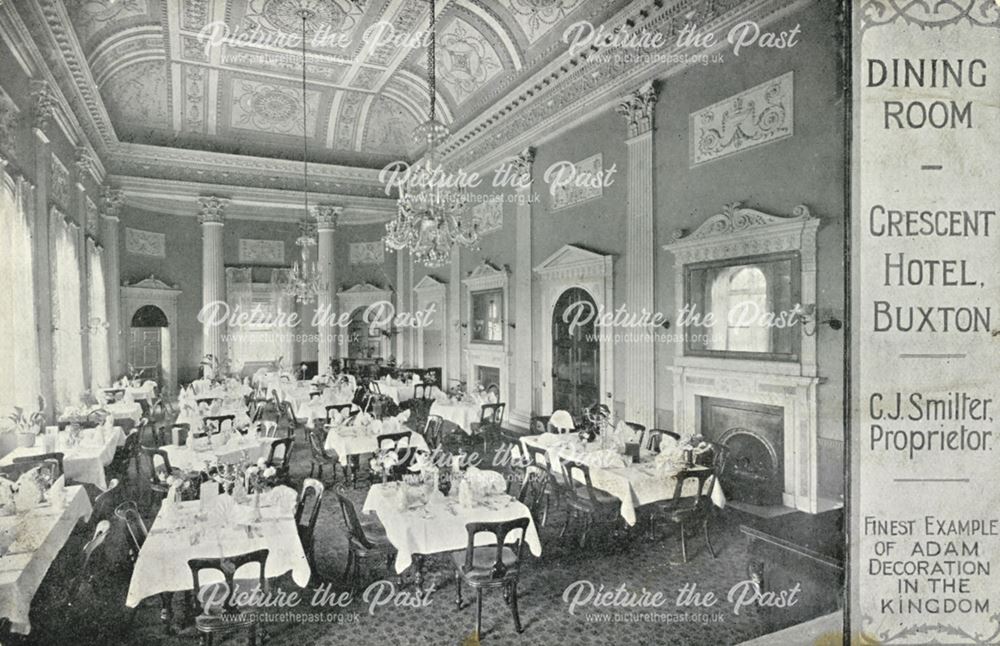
{"x":132,"y":376}
{"x":261,"y":476}
{"x":383,"y":463}
{"x":29,"y":423}
{"x":458,"y":391}
{"x":216,"y":369}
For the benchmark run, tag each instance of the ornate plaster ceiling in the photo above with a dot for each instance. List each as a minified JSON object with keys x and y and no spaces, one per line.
{"x":164,"y":83}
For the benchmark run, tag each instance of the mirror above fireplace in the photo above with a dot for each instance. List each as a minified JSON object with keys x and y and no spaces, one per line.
{"x":744,"y":307}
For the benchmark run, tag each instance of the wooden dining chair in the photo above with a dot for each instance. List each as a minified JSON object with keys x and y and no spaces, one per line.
{"x":687,"y":512}
{"x":106,"y":502}
{"x":539,"y":424}
{"x":433,"y":431}
{"x":343,"y":409}
{"x":510,"y":458}
{"x":363,"y":541}
{"x":404,"y":452}
{"x":490,"y":420}
{"x":654,"y":438}
{"x":539,"y":457}
{"x":491,"y":566}
{"x":585,"y":503}
{"x":533,"y":492}
{"x":279,"y":456}
{"x":306,"y":512}
{"x":319,"y":456}
{"x":229,"y":617}
{"x":216,"y":422}
{"x":638,"y":430}
{"x":158,"y":462}
{"x":423,"y":391}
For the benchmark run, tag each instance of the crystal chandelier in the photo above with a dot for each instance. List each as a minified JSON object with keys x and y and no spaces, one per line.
{"x":304,"y":282}
{"x":430,"y":217}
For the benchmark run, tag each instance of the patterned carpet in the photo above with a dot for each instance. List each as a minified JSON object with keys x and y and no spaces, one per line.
{"x":610,"y":559}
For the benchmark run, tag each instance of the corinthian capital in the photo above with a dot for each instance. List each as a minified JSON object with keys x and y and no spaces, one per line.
{"x":43,"y":104}
{"x":326,"y":216}
{"x":111,"y":202}
{"x":211,"y":209}
{"x":521,"y":163}
{"x":637,"y":109}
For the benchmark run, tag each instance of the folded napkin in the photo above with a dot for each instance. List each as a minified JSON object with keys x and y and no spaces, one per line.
{"x":562,"y":419}
{"x":404,"y":416}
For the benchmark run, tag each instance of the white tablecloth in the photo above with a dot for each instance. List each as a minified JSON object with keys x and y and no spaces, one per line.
{"x":83,"y":462}
{"x":634,"y":484}
{"x":185,"y":532}
{"x":136,"y":393}
{"x":461,"y":414}
{"x":40,"y":535}
{"x":249,"y":447}
{"x":356,"y":440}
{"x":315,"y":409}
{"x":194,"y":415}
{"x":439,"y":526}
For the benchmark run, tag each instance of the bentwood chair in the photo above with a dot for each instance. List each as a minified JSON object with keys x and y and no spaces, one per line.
{"x":509,"y":456}
{"x":86,"y":572}
{"x":106,"y":502}
{"x":228,"y":617}
{"x":128,"y":513}
{"x":491,"y":566}
{"x":585,"y":503}
{"x":363,"y":541}
{"x":279,"y":456}
{"x":306,"y":513}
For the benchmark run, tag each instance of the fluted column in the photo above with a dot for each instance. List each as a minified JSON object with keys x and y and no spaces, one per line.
{"x":213,"y":275}
{"x":640,"y":386}
{"x":326,"y":216}
{"x":111,"y":203}
{"x":43,"y":109}
{"x":79,"y":208}
{"x":524,"y":384}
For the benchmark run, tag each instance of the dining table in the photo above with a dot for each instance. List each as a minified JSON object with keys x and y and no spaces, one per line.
{"x":635,"y":484}
{"x":462,"y":412}
{"x":217,"y":528}
{"x":220,"y":448}
{"x":436,"y":523}
{"x":348,"y":440}
{"x":29,"y":543}
{"x":84,"y":457}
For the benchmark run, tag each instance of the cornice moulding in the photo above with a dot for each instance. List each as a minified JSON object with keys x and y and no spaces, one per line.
{"x":174,"y":197}
{"x":496,"y":135}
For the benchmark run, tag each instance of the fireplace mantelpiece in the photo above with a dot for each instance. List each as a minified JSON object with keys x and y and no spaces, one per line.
{"x":736,"y":233}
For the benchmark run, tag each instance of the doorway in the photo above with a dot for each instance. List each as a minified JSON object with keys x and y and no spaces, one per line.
{"x":576,"y":375}
{"x":148,"y":338}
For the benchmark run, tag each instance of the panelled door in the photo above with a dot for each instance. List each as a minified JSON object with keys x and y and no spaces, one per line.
{"x":575,"y":352}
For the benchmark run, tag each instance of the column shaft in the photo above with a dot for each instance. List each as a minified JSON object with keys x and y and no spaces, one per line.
{"x":523,"y":382}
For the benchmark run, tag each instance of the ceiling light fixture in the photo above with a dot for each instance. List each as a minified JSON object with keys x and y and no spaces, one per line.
{"x":431,"y":216}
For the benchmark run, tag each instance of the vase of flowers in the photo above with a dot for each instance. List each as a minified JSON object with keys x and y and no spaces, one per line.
{"x":28,"y":426}
{"x":383,"y":463}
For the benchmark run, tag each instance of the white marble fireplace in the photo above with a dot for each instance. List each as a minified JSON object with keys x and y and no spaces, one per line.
{"x":739,"y":233}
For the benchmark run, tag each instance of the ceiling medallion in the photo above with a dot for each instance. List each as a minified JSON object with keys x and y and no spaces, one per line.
{"x":431,"y":216}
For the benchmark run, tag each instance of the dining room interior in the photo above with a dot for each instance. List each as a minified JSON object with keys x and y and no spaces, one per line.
{"x":422,"y":321}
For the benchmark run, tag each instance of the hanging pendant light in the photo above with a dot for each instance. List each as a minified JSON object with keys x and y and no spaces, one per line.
{"x":431,"y":217}
{"x":304,"y":282}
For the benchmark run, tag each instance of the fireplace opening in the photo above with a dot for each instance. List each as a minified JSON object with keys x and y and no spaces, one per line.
{"x":753,"y":435}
